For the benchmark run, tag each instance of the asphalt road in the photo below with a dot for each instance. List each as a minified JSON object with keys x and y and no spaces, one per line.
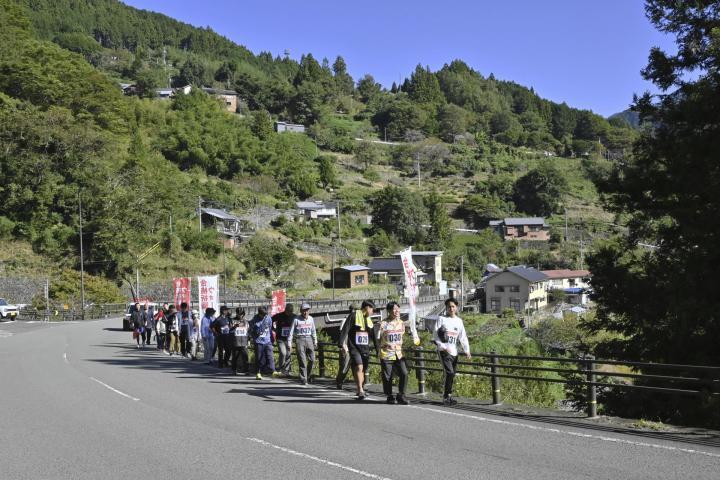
{"x":78,"y":401}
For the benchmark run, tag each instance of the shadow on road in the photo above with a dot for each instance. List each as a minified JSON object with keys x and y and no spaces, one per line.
{"x":126,"y":355}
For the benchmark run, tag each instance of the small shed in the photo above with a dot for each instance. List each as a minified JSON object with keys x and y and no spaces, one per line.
{"x":281,"y":127}
{"x":351,"y":276}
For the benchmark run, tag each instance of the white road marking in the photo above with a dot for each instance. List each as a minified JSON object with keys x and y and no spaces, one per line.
{"x":5,"y":334}
{"x":317,"y":459}
{"x":65,"y":357}
{"x":567,"y":432}
{"x":114,"y":390}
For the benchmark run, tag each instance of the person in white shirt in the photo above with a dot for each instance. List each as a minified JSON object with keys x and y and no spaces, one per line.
{"x":303,"y":330}
{"x":208,"y":337}
{"x":449,"y":330}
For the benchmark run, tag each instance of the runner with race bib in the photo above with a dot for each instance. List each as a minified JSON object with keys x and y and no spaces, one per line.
{"x":355,"y":337}
{"x":392,"y":361}
{"x":303,"y":330}
{"x":449,"y":331}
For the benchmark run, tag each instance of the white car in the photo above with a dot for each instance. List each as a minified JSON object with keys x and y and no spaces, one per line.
{"x":7,"y":310}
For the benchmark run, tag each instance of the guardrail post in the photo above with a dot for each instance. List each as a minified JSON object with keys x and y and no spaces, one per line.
{"x":420,"y":369}
{"x":494,"y":379}
{"x":321,"y":359}
{"x":591,"y":390}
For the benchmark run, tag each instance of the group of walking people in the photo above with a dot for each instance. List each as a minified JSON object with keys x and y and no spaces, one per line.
{"x":231,"y":336}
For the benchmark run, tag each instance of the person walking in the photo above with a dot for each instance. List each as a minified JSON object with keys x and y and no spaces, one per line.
{"x":261,"y":327}
{"x":185,"y":323}
{"x":343,"y":357}
{"x":193,"y":336}
{"x":173,"y":327}
{"x":160,"y":330}
{"x":207,"y":335}
{"x":448,"y":332}
{"x":282,"y":324}
{"x":305,"y":334}
{"x":149,"y":324}
{"x":355,"y":340}
{"x":221,"y":327}
{"x":137,"y":317}
{"x":392,"y":361}
{"x":239,"y":335}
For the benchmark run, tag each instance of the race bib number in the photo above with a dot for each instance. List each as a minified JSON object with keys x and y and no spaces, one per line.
{"x":304,"y":331}
{"x":394,"y":338}
{"x":241,"y":332}
{"x":452,"y":338}
{"x":224,"y":330}
{"x":362,"y":338}
{"x":285,"y":331}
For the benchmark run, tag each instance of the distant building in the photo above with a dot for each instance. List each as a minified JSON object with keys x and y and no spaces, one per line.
{"x":351,"y":276}
{"x":316,"y":209}
{"x":574,"y":283}
{"x":164,"y":93}
{"x":281,"y":127}
{"x":522,"y":289}
{"x":225,"y":223}
{"x":392,"y":269}
{"x":429,"y":262}
{"x":523,"y":228}
{"x":229,"y":97}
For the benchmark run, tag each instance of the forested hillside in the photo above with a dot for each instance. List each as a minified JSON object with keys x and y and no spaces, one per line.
{"x":486,"y":147}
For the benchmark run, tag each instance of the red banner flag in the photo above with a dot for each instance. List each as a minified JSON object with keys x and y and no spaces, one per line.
{"x":278,"y":302}
{"x":181,"y":291}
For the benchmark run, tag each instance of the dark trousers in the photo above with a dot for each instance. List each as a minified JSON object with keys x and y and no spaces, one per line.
{"x":160,"y":340}
{"x":284,"y":356}
{"x":264,"y":360}
{"x":343,"y":367}
{"x":240,"y":353}
{"x":224,"y":350}
{"x":147,"y":335}
{"x":398,"y":368}
{"x":449,"y":364}
{"x":184,"y":340}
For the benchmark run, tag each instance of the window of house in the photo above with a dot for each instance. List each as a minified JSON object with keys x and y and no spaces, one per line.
{"x":515,"y":304}
{"x":515,"y":288}
{"x":495,"y":304}
{"x":499,"y":288}
{"x":360,"y":280}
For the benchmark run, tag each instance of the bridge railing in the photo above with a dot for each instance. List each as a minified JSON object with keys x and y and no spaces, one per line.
{"x":92,"y":312}
{"x":585,"y":372}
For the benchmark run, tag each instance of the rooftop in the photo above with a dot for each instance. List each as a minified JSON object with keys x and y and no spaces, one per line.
{"x":525,"y":221}
{"x":217,"y":213}
{"x":530,"y":274}
{"x":314,"y":205}
{"x":565,"y":273}
{"x":354,"y":268}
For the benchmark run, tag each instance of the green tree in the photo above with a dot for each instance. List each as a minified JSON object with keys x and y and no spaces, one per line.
{"x":400,"y":212}
{"x":660,"y":298}
{"x":343,"y":81}
{"x":540,"y":191}
{"x":327,"y":170}
{"x":261,"y":124}
{"x":368,"y":88}
{"x":440,"y":234}
{"x":367,"y":154}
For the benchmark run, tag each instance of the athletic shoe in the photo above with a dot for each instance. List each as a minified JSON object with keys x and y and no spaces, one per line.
{"x":338,"y":385}
{"x":277,"y":374}
{"x":449,"y":401}
{"x":402,"y":401}
{"x":360,"y":397}
{"x":303,"y":382}
{"x":258,"y":377}
{"x":391,"y":400}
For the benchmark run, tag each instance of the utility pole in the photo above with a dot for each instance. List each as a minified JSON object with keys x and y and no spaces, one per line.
{"x":224,"y":274}
{"x":82,"y":263}
{"x":171,"y":230}
{"x":462,"y":282}
{"x":417,"y":160}
{"x":200,"y":212}
{"x":338,"y":221}
{"x":566,"y":236}
{"x":47,"y":299}
{"x":332,"y":272}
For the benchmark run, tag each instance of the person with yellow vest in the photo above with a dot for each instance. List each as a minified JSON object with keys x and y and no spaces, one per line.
{"x":392,"y":361}
{"x":355,"y":336}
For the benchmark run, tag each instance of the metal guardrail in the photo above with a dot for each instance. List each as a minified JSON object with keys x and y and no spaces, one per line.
{"x":696,"y":380}
{"x":92,"y":312}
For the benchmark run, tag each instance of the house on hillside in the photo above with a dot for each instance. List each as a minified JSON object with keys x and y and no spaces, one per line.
{"x":429,"y":262}
{"x":523,"y":289}
{"x":316,"y":209}
{"x":281,"y":127}
{"x":574,"y":283}
{"x":230,"y":226}
{"x":351,"y":276}
{"x":392,"y":269}
{"x":228,"y":97}
{"x":522,"y":228}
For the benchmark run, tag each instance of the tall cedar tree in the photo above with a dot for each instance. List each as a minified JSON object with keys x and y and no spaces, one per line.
{"x":663,"y":299}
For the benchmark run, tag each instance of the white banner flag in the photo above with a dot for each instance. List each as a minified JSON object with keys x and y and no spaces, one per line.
{"x":411,"y":290}
{"x":209,"y":293}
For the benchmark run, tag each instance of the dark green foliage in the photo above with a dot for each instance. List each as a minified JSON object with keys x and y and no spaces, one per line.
{"x":400,"y":212}
{"x":440,"y":233}
{"x":266,"y":255}
{"x":327,"y":171}
{"x":540,"y":191}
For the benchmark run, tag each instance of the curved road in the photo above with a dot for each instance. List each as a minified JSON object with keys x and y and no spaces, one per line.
{"x":80,"y":402}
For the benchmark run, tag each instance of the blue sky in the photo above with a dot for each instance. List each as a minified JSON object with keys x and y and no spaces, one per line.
{"x":587,"y":53}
